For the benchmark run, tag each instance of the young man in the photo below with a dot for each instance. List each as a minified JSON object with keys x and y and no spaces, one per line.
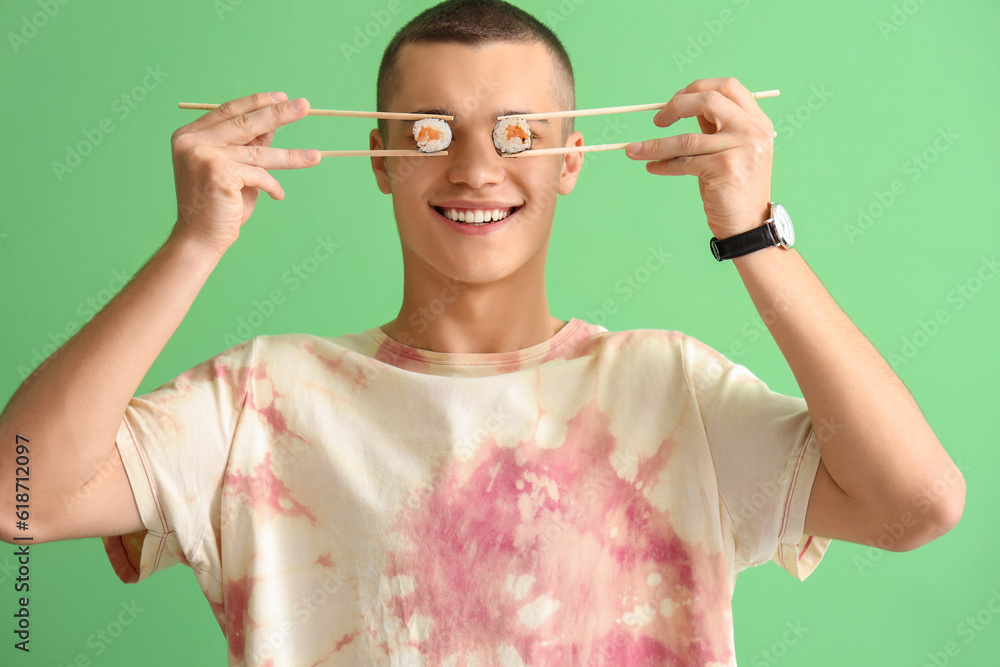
{"x":476,"y":481}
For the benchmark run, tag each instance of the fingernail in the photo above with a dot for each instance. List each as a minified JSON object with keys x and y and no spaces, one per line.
{"x":278,"y":97}
{"x":632,"y":149}
{"x":311,"y":154}
{"x":299,"y":104}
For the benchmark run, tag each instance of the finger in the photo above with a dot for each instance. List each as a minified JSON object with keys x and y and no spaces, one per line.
{"x":271,"y":158}
{"x":732,"y":162}
{"x":243,"y":128}
{"x":728,"y":86}
{"x":257,"y":177}
{"x":233,"y":108}
{"x":722,"y":112}
{"x":664,"y":148}
{"x":263,"y":140}
{"x":678,"y":166}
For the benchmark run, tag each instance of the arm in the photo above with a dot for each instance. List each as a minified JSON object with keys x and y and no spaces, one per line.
{"x":71,"y":407}
{"x":880,"y":459}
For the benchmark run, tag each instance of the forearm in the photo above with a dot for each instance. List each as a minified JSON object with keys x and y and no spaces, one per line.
{"x":70,"y":408}
{"x":873,"y":438}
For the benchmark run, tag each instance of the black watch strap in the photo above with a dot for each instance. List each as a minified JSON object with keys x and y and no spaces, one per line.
{"x":757,"y":238}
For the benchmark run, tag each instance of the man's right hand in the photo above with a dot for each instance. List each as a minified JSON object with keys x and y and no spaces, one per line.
{"x":221,"y":162}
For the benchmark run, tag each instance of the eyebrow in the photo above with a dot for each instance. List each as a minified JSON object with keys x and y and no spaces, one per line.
{"x":429,"y":112}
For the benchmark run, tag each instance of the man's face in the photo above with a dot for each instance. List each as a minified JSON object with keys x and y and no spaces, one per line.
{"x":475,"y":85}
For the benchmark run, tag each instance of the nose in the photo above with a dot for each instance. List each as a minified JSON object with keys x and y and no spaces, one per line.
{"x":473,"y":157}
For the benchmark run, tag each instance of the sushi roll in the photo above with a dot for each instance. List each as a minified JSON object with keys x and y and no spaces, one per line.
{"x":512,"y":135}
{"x":432,"y":135}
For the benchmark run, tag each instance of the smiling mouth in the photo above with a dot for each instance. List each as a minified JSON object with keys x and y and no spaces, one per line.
{"x":476,"y":216}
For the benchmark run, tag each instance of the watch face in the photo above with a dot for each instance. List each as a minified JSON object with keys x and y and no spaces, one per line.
{"x":783,"y":222}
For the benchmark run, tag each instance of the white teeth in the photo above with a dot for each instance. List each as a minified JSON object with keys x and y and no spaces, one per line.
{"x":478,"y":216}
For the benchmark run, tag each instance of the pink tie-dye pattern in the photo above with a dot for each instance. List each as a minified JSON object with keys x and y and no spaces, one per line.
{"x":265,"y":492}
{"x":468,"y":543}
{"x":285,"y":439}
{"x":360,"y":374}
{"x":237,"y":594}
{"x":234,"y":375}
{"x":502,"y":572}
{"x":271,"y":414}
{"x":345,"y":640}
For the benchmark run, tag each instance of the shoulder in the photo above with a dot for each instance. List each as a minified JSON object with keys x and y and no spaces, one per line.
{"x":682,"y":356}
{"x":648,"y":357}
{"x":295,"y":358}
{"x":301,"y":344}
{"x":638,"y":342}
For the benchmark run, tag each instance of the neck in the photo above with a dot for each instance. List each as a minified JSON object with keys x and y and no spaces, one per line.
{"x":444,"y":314}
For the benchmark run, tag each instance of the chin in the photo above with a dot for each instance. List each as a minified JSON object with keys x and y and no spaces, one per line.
{"x":478,"y":275}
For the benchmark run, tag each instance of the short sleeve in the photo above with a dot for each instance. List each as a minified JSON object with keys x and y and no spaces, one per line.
{"x":766,"y":457}
{"x":174,"y":443}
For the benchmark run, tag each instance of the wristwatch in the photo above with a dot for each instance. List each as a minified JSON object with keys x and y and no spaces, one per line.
{"x":776,"y":230}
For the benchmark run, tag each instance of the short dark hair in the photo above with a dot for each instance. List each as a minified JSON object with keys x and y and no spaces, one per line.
{"x":472,"y":23}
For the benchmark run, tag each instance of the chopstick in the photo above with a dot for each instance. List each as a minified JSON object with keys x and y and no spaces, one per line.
{"x":570,"y":149}
{"x":597,"y":112}
{"x":576,"y":113}
{"x":388,"y":115}
{"x":382,"y":153}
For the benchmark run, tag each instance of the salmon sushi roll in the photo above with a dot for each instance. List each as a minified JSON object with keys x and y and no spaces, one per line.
{"x":432,"y":135}
{"x":512,"y":135}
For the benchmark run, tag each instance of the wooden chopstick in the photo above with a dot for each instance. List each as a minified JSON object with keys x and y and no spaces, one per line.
{"x":576,"y":113}
{"x":380,"y":153}
{"x":388,"y":115}
{"x":568,"y":149}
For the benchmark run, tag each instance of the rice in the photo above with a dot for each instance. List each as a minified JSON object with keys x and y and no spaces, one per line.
{"x":432,"y":135}
{"x":512,"y":135}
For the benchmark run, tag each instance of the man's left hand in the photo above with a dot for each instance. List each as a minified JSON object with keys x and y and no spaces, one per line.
{"x":731,"y":157}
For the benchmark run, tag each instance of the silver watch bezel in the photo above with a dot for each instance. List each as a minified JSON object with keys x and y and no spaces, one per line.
{"x":782,"y":225}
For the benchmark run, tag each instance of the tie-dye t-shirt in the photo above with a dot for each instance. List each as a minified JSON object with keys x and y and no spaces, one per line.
{"x":588,"y":500}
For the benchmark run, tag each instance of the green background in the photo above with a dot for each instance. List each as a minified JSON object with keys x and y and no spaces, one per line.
{"x":893,"y":78}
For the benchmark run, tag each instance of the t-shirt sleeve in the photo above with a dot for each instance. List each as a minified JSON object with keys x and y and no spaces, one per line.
{"x":766,"y":457}
{"x":174,"y":443}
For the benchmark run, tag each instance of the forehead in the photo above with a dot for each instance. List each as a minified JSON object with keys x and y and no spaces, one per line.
{"x":476,"y":79}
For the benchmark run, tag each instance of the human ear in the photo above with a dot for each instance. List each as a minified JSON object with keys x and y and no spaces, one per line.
{"x":375,"y":142}
{"x":572,"y":163}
